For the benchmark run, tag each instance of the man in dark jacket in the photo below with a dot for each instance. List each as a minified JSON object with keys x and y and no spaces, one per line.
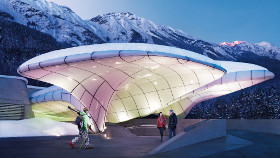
{"x":172,"y":124}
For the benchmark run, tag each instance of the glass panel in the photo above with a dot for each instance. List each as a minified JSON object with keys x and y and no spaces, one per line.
{"x":141,"y":101}
{"x":178,"y":92}
{"x":101,"y":119}
{"x":146,"y":86}
{"x":38,"y":73}
{"x":92,"y":83}
{"x":66,"y":97}
{"x":133,"y":114}
{"x":132,"y":58}
{"x":177,"y":108}
{"x":204,"y":77}
{"x":165,"y":96}
{"x":56,"y":67}
{"x":144,"y":112}
{"x":86,"y":99}
{"x":174,"y":81}
{"x":78,"y":92}
{"x":229,"y":77}
{"x":153,"y":101}
{"x":245,"y":84}
{"x":243,"y":75}
{"x":74,"y":73}
{"x":133,"y":89}
{"x":122,"y":94}
{"x":118,"y":105}
{"x":112,"y":117}
{"x":94,"y":109}
{"x":104,"y":94}
{"x":122,"y":116}
{"x":258,"y":74}
{"x":115,"y":78}
{"x":190,"y":88}
{"x":48,"y":97}
{"x":185,"y":103}
{"x":66,"y":83}
{"x":129,"y":103}
{"x":233,"y":86}
{"x":164,"y":60}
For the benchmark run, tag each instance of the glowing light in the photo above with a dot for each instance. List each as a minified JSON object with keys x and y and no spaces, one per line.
{"x":154,"y":67}
{"x":147,"y":75}
{"x":126,"y":87}
{"x":117,"y":62}
{"x":94,"y":79}
{"x":123,"y":117}
{"x":155,"y":83}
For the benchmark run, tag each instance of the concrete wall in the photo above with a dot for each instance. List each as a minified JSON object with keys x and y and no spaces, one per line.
{"x":14,"y":100}
{"x":256,"y":125}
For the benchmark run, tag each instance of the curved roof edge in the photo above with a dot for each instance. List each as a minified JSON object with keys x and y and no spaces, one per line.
{"x":114,"y":46}
{"x":81,"y":53}
{"x":15,"y":77}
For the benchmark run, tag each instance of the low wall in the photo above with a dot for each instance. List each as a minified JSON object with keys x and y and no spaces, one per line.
{"x":203,"y":131}
{"x":256,"y":125}
{"x":147,"y":127}
{"x":114,"y":130}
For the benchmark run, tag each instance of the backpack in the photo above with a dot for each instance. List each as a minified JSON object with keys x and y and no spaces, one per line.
{"x":79,"y":121}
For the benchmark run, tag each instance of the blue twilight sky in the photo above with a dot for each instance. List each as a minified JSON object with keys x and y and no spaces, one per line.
{"x":212,"y":20}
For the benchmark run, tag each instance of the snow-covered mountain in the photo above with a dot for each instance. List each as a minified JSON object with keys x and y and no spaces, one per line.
{"x":261,"y":49}
{"x":58,"y":21}
{"x":231,"y":44}
{"x":67,"y":27}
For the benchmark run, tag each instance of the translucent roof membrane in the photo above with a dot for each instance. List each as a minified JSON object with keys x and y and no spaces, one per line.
{"x":118,"y":85}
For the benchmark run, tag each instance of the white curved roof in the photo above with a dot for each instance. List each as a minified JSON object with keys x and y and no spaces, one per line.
{"x":122,"y":81}
{"x":172,"y":51}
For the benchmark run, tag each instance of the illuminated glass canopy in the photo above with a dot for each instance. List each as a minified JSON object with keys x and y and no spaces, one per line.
{"x":118,"y":82}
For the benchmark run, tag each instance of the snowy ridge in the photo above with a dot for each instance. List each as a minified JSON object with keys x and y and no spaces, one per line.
{"x":127,"y":27}
{"x":67,"y":27}
{"x":261,"y":49}
{"x":232,"y":43}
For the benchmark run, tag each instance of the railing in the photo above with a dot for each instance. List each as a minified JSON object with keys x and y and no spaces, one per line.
{"x":11,"y":111}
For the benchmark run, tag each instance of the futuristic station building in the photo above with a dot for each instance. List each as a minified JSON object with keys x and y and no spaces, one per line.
{"x":123,"y":81}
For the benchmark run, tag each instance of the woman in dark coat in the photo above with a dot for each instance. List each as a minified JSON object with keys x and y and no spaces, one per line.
{"x":161,"y":122}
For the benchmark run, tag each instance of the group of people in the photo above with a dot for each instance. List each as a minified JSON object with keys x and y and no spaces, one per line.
{"x":83,"y":126}
{"x":161,"y":124}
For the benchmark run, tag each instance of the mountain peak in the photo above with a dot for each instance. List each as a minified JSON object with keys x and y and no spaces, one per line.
{"x":264,"y":44}
{"x":127,"y":14}
{"x":101,"y":19}
{"x":231,"y":44}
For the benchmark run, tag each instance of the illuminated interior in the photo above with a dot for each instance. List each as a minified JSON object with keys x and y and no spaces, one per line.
{"x":119,"y":82}
{"x":55,"y":110}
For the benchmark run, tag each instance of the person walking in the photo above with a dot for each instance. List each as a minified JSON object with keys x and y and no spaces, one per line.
{"x":83,"y":129}
{"x":161,"y":122}
{"x":172,"y":124}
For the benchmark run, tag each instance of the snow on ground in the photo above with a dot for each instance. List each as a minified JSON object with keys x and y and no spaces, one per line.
{"x":36,"y":127}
